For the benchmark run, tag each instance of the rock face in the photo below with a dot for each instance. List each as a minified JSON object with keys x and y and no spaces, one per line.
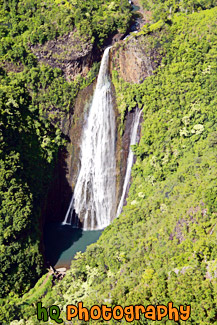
{"x":71,"y":53}
{"x":134,"y":59}
{"x":122,"y":151}
{"x":66,"y":170}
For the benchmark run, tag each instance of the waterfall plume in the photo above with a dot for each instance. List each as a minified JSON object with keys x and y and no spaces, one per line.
{"x":94,"y":198}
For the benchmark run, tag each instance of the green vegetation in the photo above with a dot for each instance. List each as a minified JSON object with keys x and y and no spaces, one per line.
{"x":34,"y":99}
{"x":164,"y":9}
{"x":33,"y":103}
{"x":27,"y":304}
{"x":29,"y":22}
{"x":163,"y":246}
{"x":29,"y":144}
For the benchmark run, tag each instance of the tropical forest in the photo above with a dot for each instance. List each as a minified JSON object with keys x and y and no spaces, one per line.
{"x":108,"y":162}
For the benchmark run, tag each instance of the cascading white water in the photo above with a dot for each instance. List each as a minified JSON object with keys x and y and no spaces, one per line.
{"x":94,"y":197}
{"x":133,"y":140}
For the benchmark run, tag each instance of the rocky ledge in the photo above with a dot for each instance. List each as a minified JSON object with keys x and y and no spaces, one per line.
{"x":71,"y":53}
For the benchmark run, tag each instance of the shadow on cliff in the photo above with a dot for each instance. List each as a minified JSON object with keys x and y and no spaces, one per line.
{"x":60,"y":192}
{"x":57,"y":238}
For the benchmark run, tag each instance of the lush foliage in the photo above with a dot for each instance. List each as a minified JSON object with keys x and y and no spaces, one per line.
{"x":164,"y":9}
{"x":29,"y":22}
{"x":28,"y":146}
{"x":33,"y":104}
{"x":12,"y":306}
{"x":34,"y":99}
{"x":163,"y":246}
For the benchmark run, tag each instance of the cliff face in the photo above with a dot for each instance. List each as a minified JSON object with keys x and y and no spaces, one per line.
{"x":122,"y":151}
{"x":71,"y":53}
{"x":74,"y":55}
{"x":135,"y":59}
{"x":68,"y":164}
{"x":67,"y":167}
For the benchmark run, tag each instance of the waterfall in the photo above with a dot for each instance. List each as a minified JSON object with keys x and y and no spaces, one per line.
{"x":94,"y":198}
{"x":133,"y":140}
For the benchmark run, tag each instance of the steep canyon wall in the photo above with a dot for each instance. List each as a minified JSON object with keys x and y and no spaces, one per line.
{"x":134,"y":62}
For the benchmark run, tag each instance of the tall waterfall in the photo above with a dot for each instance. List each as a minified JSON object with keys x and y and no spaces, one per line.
{"x":94,"y":197}
{"x":133,"y":140}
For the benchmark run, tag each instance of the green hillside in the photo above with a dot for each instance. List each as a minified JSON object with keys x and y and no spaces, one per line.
{"x":165,"y":8}
{"x":162,"y":248}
